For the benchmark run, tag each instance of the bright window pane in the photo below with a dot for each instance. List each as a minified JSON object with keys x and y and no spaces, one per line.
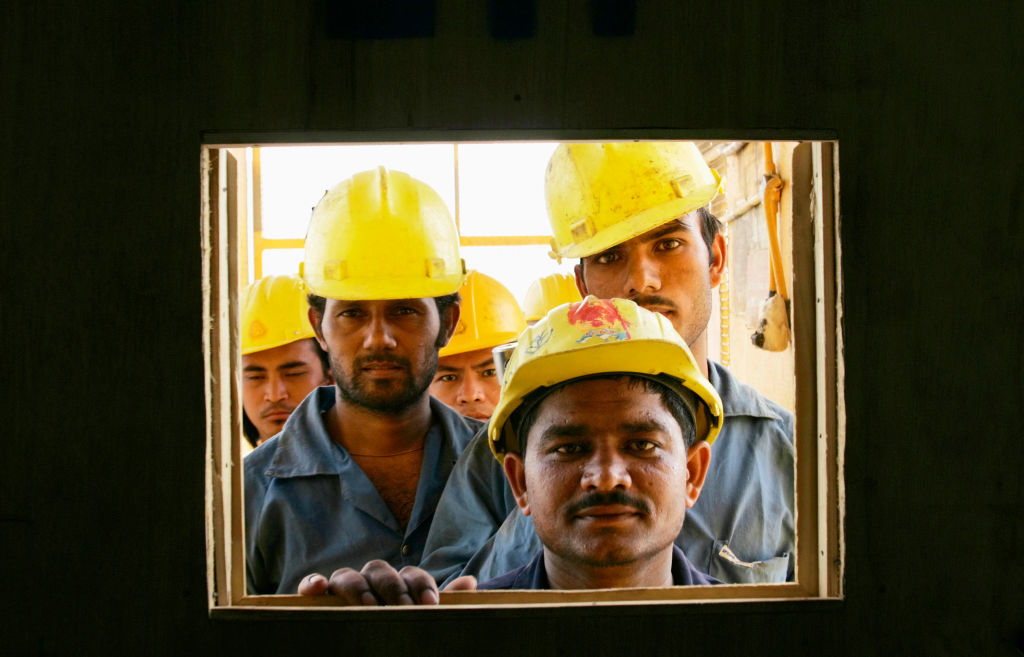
{"x":501,"y":188}
{"x":281,"y":261}
{"x":515,"y":266}
{"x":294,"y":178}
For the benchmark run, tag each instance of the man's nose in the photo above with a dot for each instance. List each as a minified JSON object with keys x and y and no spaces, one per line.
{"x":606,"y":470}
{"x":643,"y":277}
{"x":379,"y":334}
{"x":276,"y":390}
{"x":470,"y":390}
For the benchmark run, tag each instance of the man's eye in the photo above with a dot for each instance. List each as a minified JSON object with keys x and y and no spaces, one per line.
{"x":254,"y":377}
{"x":606,"y":258}
{"x":641,"y":445}
{"x":297,"y":373}
{"x":445,"y":378}
{"x":669,"y":244}
{"x":405,"y":310}
{"x":569,"y":448}
{"x":488,"y":373}
{"x":351,"y":313}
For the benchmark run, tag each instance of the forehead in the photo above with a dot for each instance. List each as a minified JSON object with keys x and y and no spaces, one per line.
{"x":688,"y":223}
{"x":602,"y":403}
{"x":298,"y":351}
{"x":381,"y":304}
{"x":479,"y":358}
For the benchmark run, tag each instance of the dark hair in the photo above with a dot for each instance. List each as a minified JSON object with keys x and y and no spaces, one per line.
{"x":710,"y":227}
{"x":676,"y":406}
{"x":319,"y":304}
{"x":252,"y":435}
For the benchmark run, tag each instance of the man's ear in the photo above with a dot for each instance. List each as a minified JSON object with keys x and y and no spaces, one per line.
{"x":697,"y":459}
{"x":717,"y":264}
{"x":315,"y":318}
{"x":450,"y":321}
{"x":581,"y":284}
{"x":516,"y":475}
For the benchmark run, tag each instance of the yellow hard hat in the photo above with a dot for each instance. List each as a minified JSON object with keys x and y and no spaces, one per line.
{"x":382,"y":234}
{"x":547,"y":292}
{"x":600,"y":195}
{"x":274,"y":313}
{"x":490,"y":316}
{"x":600,"y":336}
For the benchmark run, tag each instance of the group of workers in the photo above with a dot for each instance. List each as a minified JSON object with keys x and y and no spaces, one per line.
{"x":415,"y":431}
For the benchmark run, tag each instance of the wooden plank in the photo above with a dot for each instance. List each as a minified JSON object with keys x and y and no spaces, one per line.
{"x":680,"y":594}
{"x":829,"y":368}
{"x":805,"y":357}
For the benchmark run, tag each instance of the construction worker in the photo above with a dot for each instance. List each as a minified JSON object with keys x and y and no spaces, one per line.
{"x":634,"y":214}
{"x":547,"y":292}
{"x":465,"y":377}
{"x":604,"y":431}
{"x":281,"y":359}
{"x":355,"y":472}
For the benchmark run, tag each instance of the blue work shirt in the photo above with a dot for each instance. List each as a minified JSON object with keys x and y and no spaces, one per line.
{"x":739,"y":531}
{"x":534,"y":576}
{"x":310,"y":508}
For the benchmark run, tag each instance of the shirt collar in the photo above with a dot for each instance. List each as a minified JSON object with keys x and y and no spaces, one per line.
{"x":305,"y":449}
{"x":737,"y":397}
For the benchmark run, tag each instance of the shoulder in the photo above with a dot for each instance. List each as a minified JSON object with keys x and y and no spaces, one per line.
{"x":459,"y":428}
{"x":747,"y":410}
{"x":529,"y":577}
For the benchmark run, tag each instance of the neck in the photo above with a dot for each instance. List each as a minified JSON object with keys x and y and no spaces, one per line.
{"x":647,"y":571}
{"x":699,"y":349}
{"x":370,"y":433}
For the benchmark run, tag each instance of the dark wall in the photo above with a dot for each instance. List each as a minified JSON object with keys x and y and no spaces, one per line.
{"x":101,"y":475}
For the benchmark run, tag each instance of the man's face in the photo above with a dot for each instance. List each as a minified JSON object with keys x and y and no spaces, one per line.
{"x":467,"y":383}
{"x":666,"y":270}
{"x":274,"y":381}
{"x":383,"y":353}
{"x":606,"y":474}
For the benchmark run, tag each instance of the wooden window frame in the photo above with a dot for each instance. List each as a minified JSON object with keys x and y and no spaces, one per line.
{"x":820,"y":427}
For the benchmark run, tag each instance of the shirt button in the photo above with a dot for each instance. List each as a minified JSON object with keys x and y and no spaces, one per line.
{"x":406,"y":550}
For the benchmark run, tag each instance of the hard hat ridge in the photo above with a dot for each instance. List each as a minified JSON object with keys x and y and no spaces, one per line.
{"x":382,"y":234}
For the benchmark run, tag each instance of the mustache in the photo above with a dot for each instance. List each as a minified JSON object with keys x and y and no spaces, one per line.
{"x":653,"y":300}
{"x":362,"y":361}
{"x":613,"y":498}
{"x":275,"y":407}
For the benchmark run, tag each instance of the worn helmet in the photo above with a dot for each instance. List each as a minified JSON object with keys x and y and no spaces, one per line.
{"x":600,"y":195}
{"x":490,"y":316}
{"x":382,"y":234}
{"x":274,"y":313}
{"x":547,"y":292}
{"x":600,"y":336}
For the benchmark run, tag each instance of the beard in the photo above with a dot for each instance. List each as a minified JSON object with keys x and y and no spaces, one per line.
{"x":391,"y":396}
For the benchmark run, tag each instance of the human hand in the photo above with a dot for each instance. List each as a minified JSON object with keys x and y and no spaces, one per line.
{"x":378,"y":583}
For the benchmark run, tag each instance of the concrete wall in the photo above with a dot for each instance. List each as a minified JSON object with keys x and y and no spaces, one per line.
{"x":101,"y":475}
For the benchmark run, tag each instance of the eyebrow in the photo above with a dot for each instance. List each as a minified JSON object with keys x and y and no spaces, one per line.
{"x":649,"y":426}
{"x":484,"y":363}
{"x":556,"y":431}
{"x":670,"y":227}
{"x":291,"y":364}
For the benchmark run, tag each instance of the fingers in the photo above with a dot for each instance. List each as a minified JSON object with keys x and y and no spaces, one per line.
{"x":464,"y":583}
{"x":352,"y":588}
{"x":378,"y":583}
{"x":315,"y":584}
{"x":409,"y":586}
